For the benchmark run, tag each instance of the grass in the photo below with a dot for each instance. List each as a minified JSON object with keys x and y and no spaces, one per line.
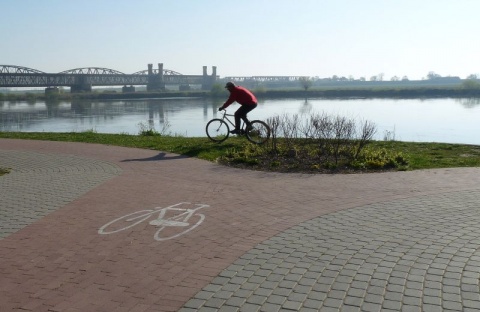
{"x":436,"y":155}
{"x":420,"y":155}
{"x":4,"y":171}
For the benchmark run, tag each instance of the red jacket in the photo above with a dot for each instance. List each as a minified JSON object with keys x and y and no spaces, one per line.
{"x":240,"y":95}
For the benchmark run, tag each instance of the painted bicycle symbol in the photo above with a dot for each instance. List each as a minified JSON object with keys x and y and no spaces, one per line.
{"x":172,"y":221}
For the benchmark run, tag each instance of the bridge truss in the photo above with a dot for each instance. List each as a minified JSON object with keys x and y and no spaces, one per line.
{"x":82,"y":79}
{"x":17,"y":76}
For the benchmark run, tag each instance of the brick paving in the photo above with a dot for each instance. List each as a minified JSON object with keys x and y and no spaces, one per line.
{"x":39,"y":184}
{"x":264,"y":241}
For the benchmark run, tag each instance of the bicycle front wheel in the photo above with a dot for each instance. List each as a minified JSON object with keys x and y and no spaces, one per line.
{"x":259,"y":132}
{"x":217,"y":130}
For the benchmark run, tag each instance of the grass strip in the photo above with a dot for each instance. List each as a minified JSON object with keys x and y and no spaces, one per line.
{"x":421,"y":155}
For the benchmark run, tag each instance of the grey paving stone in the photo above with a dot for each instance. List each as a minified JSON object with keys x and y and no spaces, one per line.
{"x":415,"y":254}
{"x":214,"y":303}
{"x":263,"y":292}
{"x":257,"y":299}
{"x":235,"y":301}
{"x":248,"y":307}
{"x":354,"y":301}
{"x":194,"y":303}
{"x":226,"y":308}
{"x":221,"y":295}
{"x":391,"y":305}
{"x":313,"y":304}
{"x":275,"y":299}
{"x":452,"y":305}
{"x":39,"y":184}
{"x":269,"y":307}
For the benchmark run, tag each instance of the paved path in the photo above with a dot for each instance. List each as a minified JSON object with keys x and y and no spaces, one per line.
{"x":263,"y":242}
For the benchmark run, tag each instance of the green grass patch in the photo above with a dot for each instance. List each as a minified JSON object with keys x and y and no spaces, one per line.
{"x":419,"y":155}
{"x":435,"y":155}
{"x":4,"y":171}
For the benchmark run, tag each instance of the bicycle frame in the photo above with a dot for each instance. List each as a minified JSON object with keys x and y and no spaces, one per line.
{"x":225,"y":117}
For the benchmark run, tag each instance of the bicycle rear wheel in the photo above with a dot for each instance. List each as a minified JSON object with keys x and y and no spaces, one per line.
{"x":217,"y":130}
{"x":259,"y":132}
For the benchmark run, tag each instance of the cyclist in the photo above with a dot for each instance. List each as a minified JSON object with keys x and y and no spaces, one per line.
{"x":245,"y":98}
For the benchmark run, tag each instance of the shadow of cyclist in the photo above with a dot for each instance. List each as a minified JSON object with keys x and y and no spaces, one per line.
{"x":160,"y":156}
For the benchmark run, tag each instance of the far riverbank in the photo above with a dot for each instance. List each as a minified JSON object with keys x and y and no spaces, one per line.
{"x":380,"y":92}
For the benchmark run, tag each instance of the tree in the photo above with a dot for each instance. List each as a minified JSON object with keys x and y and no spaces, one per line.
{"x":471,"y":84}
{"x":473,"y":76}
{"x":432,"y":75}
{"x":306,"y":82}
{"x":378,"y":77}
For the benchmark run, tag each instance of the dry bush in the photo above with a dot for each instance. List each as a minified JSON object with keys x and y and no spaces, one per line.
{"x":320,"y":137}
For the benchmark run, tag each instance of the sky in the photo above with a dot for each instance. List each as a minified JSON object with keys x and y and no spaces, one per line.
{"x":317,"y":38}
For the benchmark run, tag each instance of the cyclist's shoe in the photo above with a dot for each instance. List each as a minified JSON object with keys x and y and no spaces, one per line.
{"x":249,"y":127}
{"x":235,"y":132}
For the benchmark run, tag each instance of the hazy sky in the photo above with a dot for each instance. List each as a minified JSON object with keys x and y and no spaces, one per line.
{"x":361,"y":38}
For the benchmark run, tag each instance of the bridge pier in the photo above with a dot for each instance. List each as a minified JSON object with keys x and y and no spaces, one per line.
{"x":155,"y":81}
{"x":126,"y":89}
{"x":209,"y":81}
{"x":52,"y":90}
{"x":81,"y":85}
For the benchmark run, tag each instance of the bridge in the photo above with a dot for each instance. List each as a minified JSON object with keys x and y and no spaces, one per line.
{"x":82,"y":79}
{"x":155,"y":79}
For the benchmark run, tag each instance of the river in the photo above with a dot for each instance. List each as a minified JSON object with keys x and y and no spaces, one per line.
{"x":417,"y":120}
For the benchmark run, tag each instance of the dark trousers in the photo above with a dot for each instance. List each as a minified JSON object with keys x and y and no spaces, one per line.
{"x":242,"y":113}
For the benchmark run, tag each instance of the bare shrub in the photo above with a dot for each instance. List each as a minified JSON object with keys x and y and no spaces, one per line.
{"x":343,"y":133}
{"x":289,"y":129}
{"x":367,"y":131}
{"x":274,"y":124}
{"x":323,"y":137}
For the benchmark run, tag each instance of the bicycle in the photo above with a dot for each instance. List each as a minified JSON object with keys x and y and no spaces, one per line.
{"x":218,"y":129}
{"x":170,"y":227}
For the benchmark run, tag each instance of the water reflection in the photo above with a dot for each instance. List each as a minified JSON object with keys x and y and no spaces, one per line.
{"x":434,"y":120}
{"x":306,"y":108}
{"x":469,"y":103}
